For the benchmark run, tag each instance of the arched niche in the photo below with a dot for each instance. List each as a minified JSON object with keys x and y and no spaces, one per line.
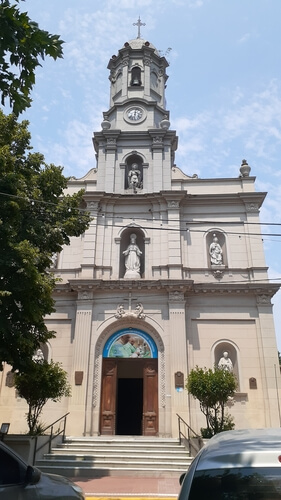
{"x":46,"y":351}
{"x":43,"y":352}
{"x":125,"y":242}
{"x":134,"y":172}
{"x":226,"y":346}
{"x":216,"y":248}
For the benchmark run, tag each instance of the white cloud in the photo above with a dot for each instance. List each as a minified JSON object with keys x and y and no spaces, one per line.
{"x":244,"y":38}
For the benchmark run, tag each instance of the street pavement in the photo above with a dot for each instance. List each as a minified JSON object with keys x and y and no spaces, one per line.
{"x":129,"y":487}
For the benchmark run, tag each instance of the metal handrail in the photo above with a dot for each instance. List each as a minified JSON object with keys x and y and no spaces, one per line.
{"x":52,"y":436}
{"x":192,"y":439}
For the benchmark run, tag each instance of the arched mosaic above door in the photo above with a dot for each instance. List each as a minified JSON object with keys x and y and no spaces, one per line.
{"x":130,"y":343}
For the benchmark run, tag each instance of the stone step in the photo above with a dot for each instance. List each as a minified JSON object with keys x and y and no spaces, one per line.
{"x":89,"y":472}
{"x":158,"y":453}
{"x":117,"y":460}
{"x":62,"y":461}
{"x":120,"y":443}
{"x":101,"y":456}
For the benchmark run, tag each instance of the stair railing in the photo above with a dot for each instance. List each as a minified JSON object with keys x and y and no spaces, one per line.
{"x":53,"y":435}
{"x":188,"y":437}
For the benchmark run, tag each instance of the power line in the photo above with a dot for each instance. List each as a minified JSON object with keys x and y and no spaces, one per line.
{"x":169,"y":221}
{"x":101,"y":214}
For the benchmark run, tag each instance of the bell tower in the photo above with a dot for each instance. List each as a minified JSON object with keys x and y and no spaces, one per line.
{"x":135,"y":149}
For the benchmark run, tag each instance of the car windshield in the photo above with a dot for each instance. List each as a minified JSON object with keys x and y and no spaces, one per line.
{"x":247,"y":483}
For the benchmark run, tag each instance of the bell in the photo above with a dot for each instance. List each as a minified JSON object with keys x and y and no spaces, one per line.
{"x":136,"y":81}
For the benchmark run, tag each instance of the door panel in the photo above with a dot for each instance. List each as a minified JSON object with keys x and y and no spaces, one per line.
{"x":150,"y":398}
{"x":108,"y":397}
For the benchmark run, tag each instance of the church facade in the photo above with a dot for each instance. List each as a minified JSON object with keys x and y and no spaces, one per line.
{"x":170,"y":275}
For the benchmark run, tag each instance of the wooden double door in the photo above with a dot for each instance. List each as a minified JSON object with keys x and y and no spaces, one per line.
{"x":129,"y":397}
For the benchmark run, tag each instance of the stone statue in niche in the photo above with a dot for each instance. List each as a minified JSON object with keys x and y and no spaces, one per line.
{"x":215,"y":252}
{"x":225,"y":362}
{"x":38,"y":357}
{"x":54,"y":259}
{"x":132,"y":259}
{"x":134,"y":177}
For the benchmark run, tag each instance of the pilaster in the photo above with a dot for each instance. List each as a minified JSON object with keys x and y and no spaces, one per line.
{"x":269,"y":362}
{"x":80,"y":365}
{"x":178,"y":355}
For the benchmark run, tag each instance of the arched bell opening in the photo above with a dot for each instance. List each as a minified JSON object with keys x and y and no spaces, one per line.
{"x":136,"y":77}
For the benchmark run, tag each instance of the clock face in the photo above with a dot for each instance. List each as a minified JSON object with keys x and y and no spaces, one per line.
{"x":134,"y":114}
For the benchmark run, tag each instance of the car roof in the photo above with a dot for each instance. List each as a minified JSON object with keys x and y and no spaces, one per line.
{"x":242,"y":448}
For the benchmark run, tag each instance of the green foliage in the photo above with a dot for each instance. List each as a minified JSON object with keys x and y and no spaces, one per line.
{"x":212,"y":388}
{"x":41,"y":382}
{"x":22,"y":45}
{"x":36,"y":220}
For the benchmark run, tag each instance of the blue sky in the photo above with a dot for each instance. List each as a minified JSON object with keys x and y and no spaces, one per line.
{"x":223,"y":91}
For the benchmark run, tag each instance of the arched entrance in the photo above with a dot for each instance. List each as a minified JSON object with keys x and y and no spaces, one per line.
{"x":129,"y":391}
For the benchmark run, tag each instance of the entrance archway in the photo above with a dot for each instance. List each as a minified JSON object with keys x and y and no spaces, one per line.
{"x":129,"y":390}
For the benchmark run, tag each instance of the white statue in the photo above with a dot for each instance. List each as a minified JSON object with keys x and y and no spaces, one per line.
{"x":225,"y":362}
{"x":38,"y":357}
{"x":134,"y":180}
{"x":54,"y":260}
{"x":215,"y":251}
{"x":132,"y":259}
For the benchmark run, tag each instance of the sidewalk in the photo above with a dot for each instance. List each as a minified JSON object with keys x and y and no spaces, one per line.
{"x":129,"y":486}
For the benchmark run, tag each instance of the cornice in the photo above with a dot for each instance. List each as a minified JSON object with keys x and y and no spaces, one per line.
{"x":253,"y":199}
{"x":256,"y":289}
{"x":262,"y":291}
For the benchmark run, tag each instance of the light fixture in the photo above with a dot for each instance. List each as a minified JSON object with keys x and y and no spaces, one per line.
{"x":4,"y":429}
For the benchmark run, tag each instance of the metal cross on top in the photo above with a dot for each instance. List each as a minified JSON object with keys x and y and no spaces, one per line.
{"x":139,"y":24}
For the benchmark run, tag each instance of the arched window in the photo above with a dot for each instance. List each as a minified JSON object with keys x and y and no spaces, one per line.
{"x":118,"y":82}
{"x":154,"y":80}
{"x":136,"y":76}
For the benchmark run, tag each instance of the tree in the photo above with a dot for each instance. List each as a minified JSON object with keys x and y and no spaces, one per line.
{"x":42,"y":382}
{"x":36,"y":220}
{"x":22,"y":44}
{"x":213,"y":388}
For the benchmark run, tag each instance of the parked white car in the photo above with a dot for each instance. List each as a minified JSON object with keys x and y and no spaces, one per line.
{"x":236,"y":465}
{"x":20,"y":481}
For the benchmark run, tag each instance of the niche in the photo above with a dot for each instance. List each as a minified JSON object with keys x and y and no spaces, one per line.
{"x":125,"y":242}
{"x":216,"y":249}
{"x":134,"y":173}
{"x":229,"y":360}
